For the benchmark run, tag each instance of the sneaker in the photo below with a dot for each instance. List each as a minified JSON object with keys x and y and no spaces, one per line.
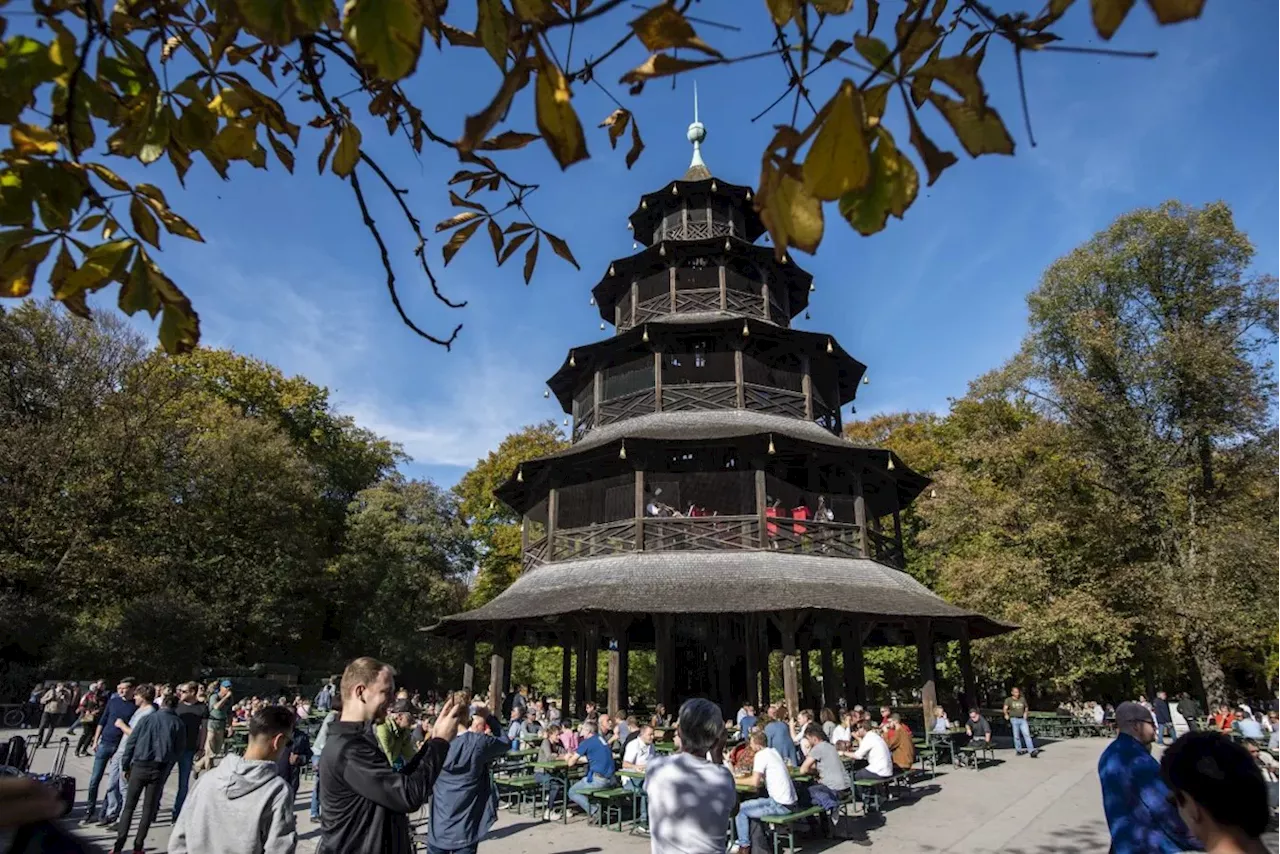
{"x":555,"y":815}
{"x":89,"y":818}
{"x":641,"y":830}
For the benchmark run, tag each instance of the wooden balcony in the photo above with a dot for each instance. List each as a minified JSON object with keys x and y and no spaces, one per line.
{"x":716,"y":533}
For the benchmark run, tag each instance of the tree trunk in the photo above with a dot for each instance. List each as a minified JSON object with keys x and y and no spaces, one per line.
{"x":1210,"y":667}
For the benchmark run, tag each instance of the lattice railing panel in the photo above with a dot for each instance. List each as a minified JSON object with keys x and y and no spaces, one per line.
{"x":825,"y":417}
{"x":631,"y":406}
{"x":698,"y":299}
{"x":584,"y":422}
{"x":596,"y":540}
{"x":744,"y":303}
{"x":698,"y":230}
{"x":773,"y":400}
{"x":832,"y":539}
{"x":678,"y":398}
{"x":536,"y":554}
{"x":701,"y":533}
{"x":885,"y":549}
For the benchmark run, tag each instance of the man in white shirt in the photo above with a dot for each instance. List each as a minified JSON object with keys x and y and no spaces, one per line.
{"x":780,"y":794}
{"x":872,"y":747}
{"x":677,"y":823}
{"x":636,"y":758}
{"x":842,"y":735}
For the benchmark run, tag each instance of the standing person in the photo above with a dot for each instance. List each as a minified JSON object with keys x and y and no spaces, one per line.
{"x":1190,"y":710}
{"x":31,"y":715}
{"x":780,"y":794}
{"x":464,"y":802}
{"x":1164,"y":717}
{"x":106,"y":740}
{"x":90,"y":711}
{"x":220,"y":703}
{"x":53,"y":705}
{"x":364,"y":802}
{"x":635,"y":757}
{"x":598,"y":757}
{"x":113,"y":800}
{"x":1219,"y":792}
{"x":679,"y":824}
{"x":324,"y":700}
{"x":242,"y":805}
{"x":1140,"y":814}
{"x":1015,"y":712}
{"x":193,"y":715}
{"x":322,"y":737}
{"x":778,"y":733}
{"x":292,"y":758}
{"x":395,"y":734}
{"x":146,"y":758}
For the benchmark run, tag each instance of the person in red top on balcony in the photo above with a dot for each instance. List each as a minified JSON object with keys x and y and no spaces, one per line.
{"x":773,"y":510}
{"x":800,"y":513}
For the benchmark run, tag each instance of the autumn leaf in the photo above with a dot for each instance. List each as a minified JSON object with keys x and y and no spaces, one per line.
{"x":557,"y":119}
{"x":458,"y":238}
{"x":512,"y":245}
{"x":979,"y":129}
{"x":18,"y":270}
{"x":535,"y":11}
{"x":1108,"y":15}
{"x":663,"y":27}
{"x":456,"y":220}
{"x":561,"y":248}
{"x":100,"y":265}
{"x":873,"y":50}
{"x":832,"y":7}
{"x":477,"y":127}
{"x":935,"y":159}
{"x":782,"y":11}
{"x":838,"y":159}
{"x":348,"y":153}
{"x":793,"y":217}
{"x":31,"y":139}
{"x":1173,"y":11}
{"x":662,"y":65}
{"x":616,"y":122}
{"x":893,"y":187}
{"x":531,"y":258}
{"x":491,"y":29}
{"x":386,"y":35}
{"x":496,"y":238}
{"x":637,"y":145}
{"x":144,"y":223}
{"x":507,"y":140}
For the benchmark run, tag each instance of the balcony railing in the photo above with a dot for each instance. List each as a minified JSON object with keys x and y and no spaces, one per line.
{"x":690,"y":300}
{"x":717,"y":533}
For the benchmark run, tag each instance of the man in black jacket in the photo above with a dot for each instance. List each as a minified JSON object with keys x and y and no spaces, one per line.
{"x":364,"y":802}
{"x":150,"y":752}
{"x":1164,"y":720}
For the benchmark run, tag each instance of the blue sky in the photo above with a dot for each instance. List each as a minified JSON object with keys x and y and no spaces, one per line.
{"x":289,"y":275}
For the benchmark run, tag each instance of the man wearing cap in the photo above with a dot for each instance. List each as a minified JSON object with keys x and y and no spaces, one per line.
{"x":220,"y":702}
{"x":1140,"y":814}
{"x":395,"y":733}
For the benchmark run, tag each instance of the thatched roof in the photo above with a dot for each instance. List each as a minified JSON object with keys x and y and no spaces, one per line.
{"x":738,"y":582}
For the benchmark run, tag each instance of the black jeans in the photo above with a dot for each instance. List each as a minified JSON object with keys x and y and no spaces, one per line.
{"x":48,"y":723}
{"x":86,"y":737}
{"x":148,"y":778}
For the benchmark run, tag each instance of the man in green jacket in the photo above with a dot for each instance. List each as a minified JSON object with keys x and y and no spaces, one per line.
{"x":395,"y":734}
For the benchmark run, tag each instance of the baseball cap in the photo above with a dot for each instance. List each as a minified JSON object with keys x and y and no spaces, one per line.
{"x":1131,"y":712}
{"x":226,"y":683}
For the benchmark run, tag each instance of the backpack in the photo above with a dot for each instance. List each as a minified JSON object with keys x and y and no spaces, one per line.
{"x":15,"y":754}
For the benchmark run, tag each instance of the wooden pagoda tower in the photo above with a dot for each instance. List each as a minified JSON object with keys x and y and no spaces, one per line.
{"x":709,"y":507}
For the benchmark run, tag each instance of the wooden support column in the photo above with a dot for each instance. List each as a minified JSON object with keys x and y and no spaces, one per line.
{"x":566,"y":675}
{"x":593,"y":664}
{"x":752,"y":650}
{"x":639,"y":510}
{"x":830,"y":692}
{"x":635,"y":302}
{"x":860,"y":515}
{"x":597,"y":393}
{"x":760,"y":499}
{"x":497,"y":671}
{"x":672,"y":273}
{"x":740,"y":400}
{"x":928,"y":684}
{"x":580,"y":677}
{"x":855,"y":679}
{"x":657,"y":380}
{"x":469,"y":665}
{"x":723,"y":658}
{"x":766,"y":695}
{"x":806,"y":675}
{"x":764,"y":297}
{"x":614,"y":699}
{"x":790,"y":686}
{"x":966,"y":670}
{"x":524,"y":536}
{"x":624,"y":667}
{"x":553,"y":510}
{"x":806,"y":385}
{"x":664,"y":657}
{"x":724,"y":290}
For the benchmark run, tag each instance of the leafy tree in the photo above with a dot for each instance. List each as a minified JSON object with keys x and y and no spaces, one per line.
{"x":185,"y":80}
{"x":494,"y":528}
{"x":406,"y":554}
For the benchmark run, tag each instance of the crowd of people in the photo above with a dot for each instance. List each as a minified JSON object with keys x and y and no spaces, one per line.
{"x":380,"y":754}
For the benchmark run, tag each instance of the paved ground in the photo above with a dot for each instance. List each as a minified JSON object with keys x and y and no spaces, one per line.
{"x":1047,"y":805}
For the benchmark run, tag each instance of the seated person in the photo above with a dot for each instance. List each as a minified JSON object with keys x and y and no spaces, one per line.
{"x":940,"y":722}
{"x":635,"y":757}
{"x":550,"y":750}
{"x":1249,"y":727}
{"x":742,"y":758}
{"x":872,"y":748}
{"x":977,"y":727}
{"x":820,"y":757}
{"x":780,"y":794}
{"x":898,"y":736}
{"x":842,"y":735}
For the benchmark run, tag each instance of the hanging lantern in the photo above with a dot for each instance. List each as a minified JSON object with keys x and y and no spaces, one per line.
{"x":629,"y":225}
{"x":635,"y":245}
{"x":727,"y":245}
{"x":748,"y":195}
{"x":572,"y":362}
{"x":566,"y":422}
{"x":644,"y":204}
{"x":772,"y":450}
{"x":866,"y":380}
{"x":812,"y":287}
{"x":547,"y":393}
{"x":662,"y":250}
{"x":611,"y":270}
{"x":746,"y":330}
{"x":713,"y":186}
{"x":622,"y":451}
{"x":784,"y":259}
{"x":675,"y":191}
{"x":807,"y":316}
{"x":830,"y":347}
{"x":890,"y":466}
{"x":645,"y":335}
{"x":933,"y":493}
{"x":520,"y":475}
{"x":602,"y":327}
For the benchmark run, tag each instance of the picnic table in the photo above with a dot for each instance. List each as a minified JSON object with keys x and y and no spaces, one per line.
{"x":562,"y":769}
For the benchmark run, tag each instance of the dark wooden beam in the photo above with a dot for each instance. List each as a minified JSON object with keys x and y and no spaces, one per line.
{"x":790,"y":687}
{"x":966,"y":670}
{"x":860,"y":514}
{"x":553,"y":511}
{"x":807,"y":387}
{"x":760,"y":505}
{"x":829,"y":690}
{"x":928,"y":678}
{"x":566,"y":673}
{"x":639,"y":510}
{"x":469,"y":664}
{"x":738,"y":372}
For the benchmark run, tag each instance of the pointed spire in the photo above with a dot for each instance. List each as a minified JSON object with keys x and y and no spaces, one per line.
{"x":696,"y":134}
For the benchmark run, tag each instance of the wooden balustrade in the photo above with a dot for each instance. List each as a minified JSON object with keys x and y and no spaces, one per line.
{"x":715,"y":533}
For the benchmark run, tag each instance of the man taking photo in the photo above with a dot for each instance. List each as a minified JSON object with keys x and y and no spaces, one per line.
{"x":364,"y":802}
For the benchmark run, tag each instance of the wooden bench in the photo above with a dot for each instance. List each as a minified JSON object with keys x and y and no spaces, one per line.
{"x":519,"y":791}
{"x":612,"y":802}
{"x":928,"y":757}
{"x":975,"y":751}
{"x":784,"y":826}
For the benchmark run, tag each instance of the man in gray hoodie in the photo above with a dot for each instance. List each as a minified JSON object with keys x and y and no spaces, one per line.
{"x":242,"y":806}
